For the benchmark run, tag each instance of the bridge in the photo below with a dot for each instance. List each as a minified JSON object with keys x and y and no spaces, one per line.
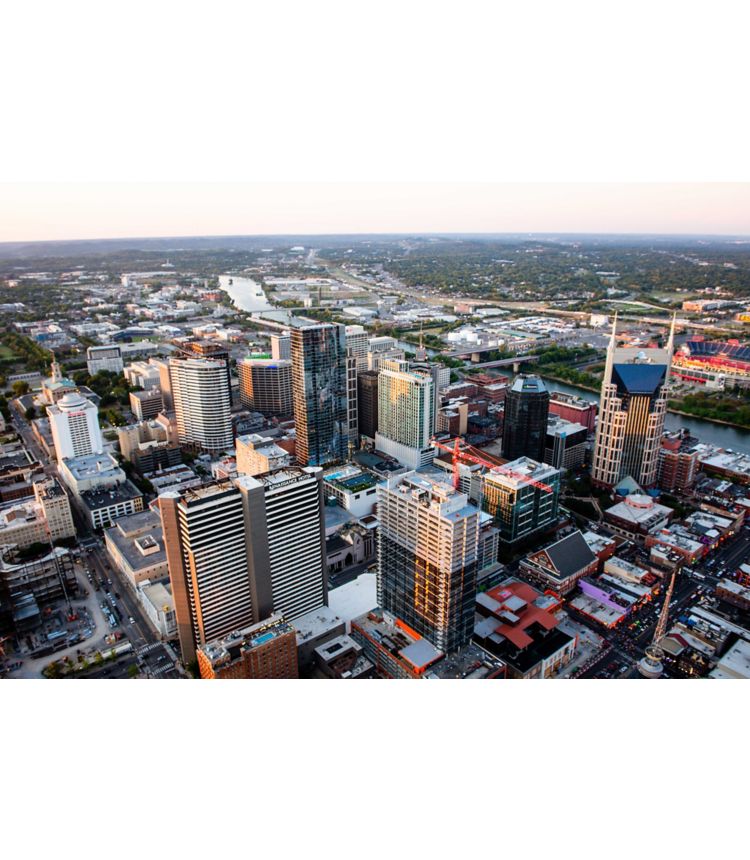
{"x":515,"y":362}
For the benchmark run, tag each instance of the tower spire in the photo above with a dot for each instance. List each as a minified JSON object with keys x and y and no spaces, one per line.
{"x":651,"y":665}
{"x":670,"y":342}
{"x":611,"y":353}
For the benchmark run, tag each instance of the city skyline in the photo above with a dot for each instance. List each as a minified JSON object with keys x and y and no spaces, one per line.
{"x":93,"y":211}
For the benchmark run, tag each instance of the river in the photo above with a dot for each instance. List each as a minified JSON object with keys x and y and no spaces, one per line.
{"x":248,"y":295}
{"x":706,"y":431}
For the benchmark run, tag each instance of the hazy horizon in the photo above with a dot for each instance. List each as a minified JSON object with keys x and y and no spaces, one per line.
{"x":72,"y":212}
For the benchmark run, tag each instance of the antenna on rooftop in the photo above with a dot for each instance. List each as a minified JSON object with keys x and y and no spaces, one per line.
{"x":651,"y":666}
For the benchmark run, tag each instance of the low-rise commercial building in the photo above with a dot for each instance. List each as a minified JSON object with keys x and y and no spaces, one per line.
{"x":146,"y":404}
{"x":518,"y":625}
{"x":354,"y":489}
{"x":264,"y":650}
{"x":559,"y":566}
{"x":136,"y":546}
{"x":637,"y":516}
{"x":158,"y":605}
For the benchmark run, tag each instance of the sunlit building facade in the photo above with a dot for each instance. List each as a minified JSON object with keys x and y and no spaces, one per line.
{"x":406,"y":414}
{"x":427,"y":558}
{"x":633,"y":406}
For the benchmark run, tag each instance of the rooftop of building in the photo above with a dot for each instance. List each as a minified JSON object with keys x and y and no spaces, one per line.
{"x":528,"y":383}
{"x":354,"y":598}
{"x":350,"y":478}
{"x":470,"y":663}
{"x":17,"y":514}
{"x":567,"y":556}
{"x":92,"y":466}
{"x":227,"y":649}
{"x":521,"y":471}
{"x":109,"y":496}
{"x":432,"y":492}
{"x":736,"y":662}
{"x":318,"y":622}
{"x":639,"y":510}
{"x":509,"y":612}
{"x":399,"y":639}
{"x":561,"y":427}
{"x":158,"y":594}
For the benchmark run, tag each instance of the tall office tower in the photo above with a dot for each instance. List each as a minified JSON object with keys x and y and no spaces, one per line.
{"x":367,"y":403}
{"x":427,"y":558}
{"x":633,"y":405}
{"x":522,"y":496}
{"x":74,"y":422}
{"x":266,"y":385}
{"x":198,"y":348}
{"x":281,"y":346}
{"x":214,"y":586}
{"x":286,"y":508}
{"x":202,"y":402}
{"x":165,"y":383}
{"x":382,"y":343}
{"x":406,"y":418}
{"x":526,"y":413}
{"x":239,"y":550}
{"x":381,"y":348}
{"x":441,"y":377}
{"x":357,"y":344}
{"x":319,"y":393}
{"x":352,"y":403}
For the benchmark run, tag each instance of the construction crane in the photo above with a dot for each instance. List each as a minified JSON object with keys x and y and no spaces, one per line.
{"x":651,"y":665}
{"x":467,"y":455}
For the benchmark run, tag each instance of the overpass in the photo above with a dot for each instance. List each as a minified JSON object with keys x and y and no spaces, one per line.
{"x":515,"y":362}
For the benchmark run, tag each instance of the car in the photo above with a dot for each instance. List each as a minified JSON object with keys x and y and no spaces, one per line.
{"x":131,"y":620}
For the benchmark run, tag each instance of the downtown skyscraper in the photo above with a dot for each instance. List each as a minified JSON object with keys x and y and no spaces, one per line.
{"x":319,"y":393}
{"x":632,"y":409}
{"x":427,"y":558}
{"x":406,"y":414}
{"x":239,"y":550}
{"x":200,"y":391}
{"x":525,"y":422}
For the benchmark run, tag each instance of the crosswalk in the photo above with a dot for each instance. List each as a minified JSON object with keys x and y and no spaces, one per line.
{"x":146,"y":648}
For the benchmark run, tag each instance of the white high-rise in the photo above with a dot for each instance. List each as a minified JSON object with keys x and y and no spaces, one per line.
{"x":406,"y":414}
{"x":74,"y":422}
{"x":357,"y":344}
{"x":202,"y":402}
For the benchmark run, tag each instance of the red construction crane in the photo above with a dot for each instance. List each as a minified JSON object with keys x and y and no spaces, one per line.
{"x":467,"y":455}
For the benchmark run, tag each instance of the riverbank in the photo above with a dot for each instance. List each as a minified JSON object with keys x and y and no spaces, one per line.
{"x":711,"y":420}
{"x":571,"y":384}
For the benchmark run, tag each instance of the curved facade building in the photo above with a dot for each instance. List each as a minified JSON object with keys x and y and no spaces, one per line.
{"x":526,"y":413}
{"x":202,"y":403}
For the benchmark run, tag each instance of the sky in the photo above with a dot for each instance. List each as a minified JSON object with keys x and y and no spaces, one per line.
{"x":89,"y":210}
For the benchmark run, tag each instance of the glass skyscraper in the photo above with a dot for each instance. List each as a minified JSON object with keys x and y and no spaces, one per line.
{"x":525,"y":424}
{"x":319,"y":393}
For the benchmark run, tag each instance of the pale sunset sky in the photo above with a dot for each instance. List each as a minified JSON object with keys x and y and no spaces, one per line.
{"x":89,"y":210}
